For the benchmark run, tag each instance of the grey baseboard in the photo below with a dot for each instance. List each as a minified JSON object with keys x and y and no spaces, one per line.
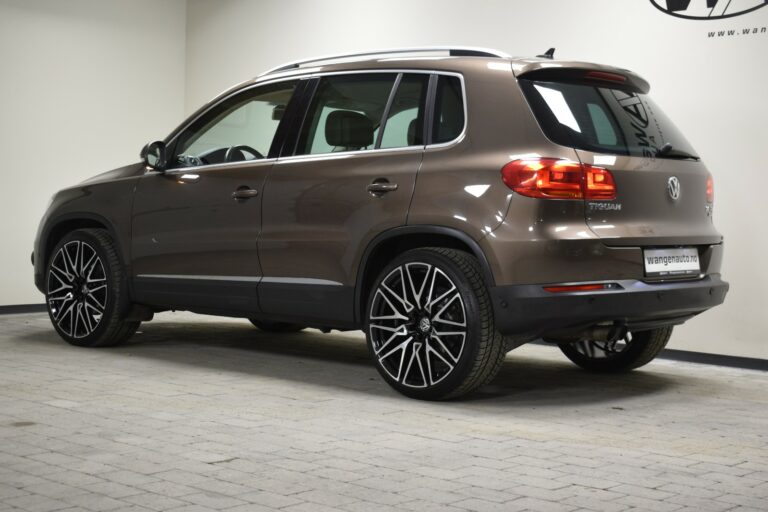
{"x":747,"y":363}
{"x":22,"y":308}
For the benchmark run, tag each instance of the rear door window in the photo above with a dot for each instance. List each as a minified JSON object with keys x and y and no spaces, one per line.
{"x":404,"y":125}
{"x":345,"y":113}
{"x":600,"y":119}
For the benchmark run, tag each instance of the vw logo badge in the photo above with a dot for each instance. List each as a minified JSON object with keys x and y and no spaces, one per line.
{"x":673,"y":187}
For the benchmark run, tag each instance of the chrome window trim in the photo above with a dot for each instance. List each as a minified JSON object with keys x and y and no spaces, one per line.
{"x":343,"y":154}
{"x":319,"y":74}
{"x":216,"y":167}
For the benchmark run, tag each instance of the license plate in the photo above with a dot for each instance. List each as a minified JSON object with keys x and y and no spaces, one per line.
{"x":671,"y":262}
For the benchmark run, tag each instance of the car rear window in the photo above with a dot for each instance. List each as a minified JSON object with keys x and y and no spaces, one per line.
{"x":601,"y":119}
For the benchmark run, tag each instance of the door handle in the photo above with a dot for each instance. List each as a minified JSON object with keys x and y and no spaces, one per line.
{"x":380,"y":187}
{"x":243,"y":193}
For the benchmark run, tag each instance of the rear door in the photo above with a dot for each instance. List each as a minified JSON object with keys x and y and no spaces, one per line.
{"x":661,"y":193}
{"x":350,"y":177}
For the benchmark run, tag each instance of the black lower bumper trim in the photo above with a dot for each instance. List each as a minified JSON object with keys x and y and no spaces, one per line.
{"x":529,"y":309}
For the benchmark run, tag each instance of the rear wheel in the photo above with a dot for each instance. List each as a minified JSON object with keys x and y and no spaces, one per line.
{"x":430,"y":326}
{"x":267,"y":326}
{"x":86,"y":295}
{"x":633,"y":351}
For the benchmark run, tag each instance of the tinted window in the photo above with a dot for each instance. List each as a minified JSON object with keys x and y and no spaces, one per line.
{"x":448,"y":121}
{"x":602,"y":119}
{"x":405,"y":120}
{"x":247,"y":123}
{"x":345,"y":113}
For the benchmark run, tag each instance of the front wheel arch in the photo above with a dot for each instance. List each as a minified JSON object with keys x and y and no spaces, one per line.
{"x":59,"y":227}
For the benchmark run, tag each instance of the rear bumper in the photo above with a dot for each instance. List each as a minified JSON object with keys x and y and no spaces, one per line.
{"x":529,"y":309}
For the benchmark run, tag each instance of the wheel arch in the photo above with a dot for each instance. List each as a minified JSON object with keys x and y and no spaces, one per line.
{"x":58,"y":228}
{"x":387,"y":245}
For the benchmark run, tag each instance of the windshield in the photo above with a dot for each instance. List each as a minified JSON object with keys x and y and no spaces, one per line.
{"x":603,"y":120}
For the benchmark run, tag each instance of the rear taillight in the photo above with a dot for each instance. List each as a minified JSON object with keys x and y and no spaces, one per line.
{"x":710,"y":189}
{"x":599,"y":183}
{"x":552,"y":178}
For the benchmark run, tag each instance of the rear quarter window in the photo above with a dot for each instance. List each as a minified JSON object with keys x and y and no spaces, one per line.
{"x":448,"y":121}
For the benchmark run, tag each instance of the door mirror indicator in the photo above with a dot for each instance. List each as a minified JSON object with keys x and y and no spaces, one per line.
{"x":154,"y":155}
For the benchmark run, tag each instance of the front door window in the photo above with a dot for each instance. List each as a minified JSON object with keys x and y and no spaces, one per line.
{"x":240,"y":129}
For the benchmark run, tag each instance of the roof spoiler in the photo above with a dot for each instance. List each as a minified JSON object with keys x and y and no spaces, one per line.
{"x":602,"y":76}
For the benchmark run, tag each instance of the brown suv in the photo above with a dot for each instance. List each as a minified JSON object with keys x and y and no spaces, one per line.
{"x":454,"y":203}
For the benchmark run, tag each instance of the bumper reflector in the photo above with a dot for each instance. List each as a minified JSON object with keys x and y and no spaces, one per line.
{"x":595,"y":287}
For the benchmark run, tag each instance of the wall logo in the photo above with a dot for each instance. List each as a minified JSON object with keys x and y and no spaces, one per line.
{"x":708,"y":9}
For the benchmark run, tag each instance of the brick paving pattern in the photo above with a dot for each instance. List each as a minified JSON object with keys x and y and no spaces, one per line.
{"x":203,"y":414}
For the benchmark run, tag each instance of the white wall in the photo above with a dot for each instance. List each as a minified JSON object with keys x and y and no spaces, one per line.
{"x":83,"y":85}
{"x":714,"y":88}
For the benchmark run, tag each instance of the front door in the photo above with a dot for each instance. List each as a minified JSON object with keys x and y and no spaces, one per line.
{"x":350,"y":178}
{"x":195,"y":226}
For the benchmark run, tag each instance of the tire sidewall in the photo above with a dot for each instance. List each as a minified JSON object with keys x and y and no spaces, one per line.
{"x":114,"y":303}
{"x":471,"y":311}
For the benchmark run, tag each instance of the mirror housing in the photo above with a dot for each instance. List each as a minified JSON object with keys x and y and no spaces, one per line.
{"x":154,"y":155}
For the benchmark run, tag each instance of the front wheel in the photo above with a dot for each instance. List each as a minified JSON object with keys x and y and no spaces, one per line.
{"x":86,"y":295}
{"x":633,"y":351}
{"x":429,"y":325}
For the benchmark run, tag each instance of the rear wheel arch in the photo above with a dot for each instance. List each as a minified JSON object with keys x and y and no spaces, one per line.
{"x":389,"y":244}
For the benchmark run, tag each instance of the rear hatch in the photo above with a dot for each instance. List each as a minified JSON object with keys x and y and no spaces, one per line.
{"x":663,"y":192}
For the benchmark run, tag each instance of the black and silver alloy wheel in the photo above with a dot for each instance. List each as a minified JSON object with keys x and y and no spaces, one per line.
{"x":417,"y":324}
{"x":77,"y":289}
{"x":429,"y":325}
{"x":86,"y":290}
{"x":632,"y":351}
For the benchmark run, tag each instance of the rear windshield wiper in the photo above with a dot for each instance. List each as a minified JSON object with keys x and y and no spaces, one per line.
{"x":668,"y":151}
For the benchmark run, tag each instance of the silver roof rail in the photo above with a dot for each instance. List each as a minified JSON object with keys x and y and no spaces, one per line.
{"x":452,"y":51}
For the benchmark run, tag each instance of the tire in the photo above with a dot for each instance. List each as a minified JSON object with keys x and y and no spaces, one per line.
{"x":86,"y":294}
{"x":276,"y":327}
{"x":635,"y":350}
{"x":407,"y":327}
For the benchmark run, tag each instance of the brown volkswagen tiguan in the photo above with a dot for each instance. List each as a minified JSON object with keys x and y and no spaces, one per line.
{"x":454,"y":203}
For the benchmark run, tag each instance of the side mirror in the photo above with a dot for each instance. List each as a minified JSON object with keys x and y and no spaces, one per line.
{"x":154,"y":155}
